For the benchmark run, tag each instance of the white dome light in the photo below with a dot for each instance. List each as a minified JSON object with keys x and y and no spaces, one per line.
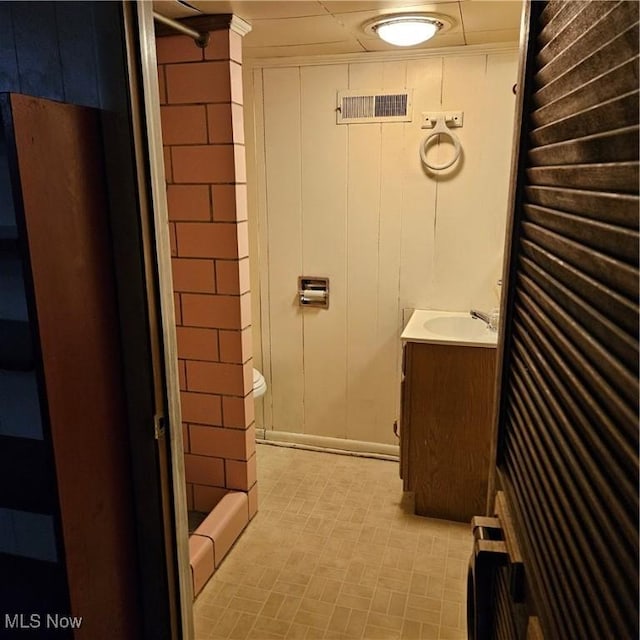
{"x":407,"y":31}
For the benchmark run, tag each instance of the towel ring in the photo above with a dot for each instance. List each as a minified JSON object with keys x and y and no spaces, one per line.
{"x":441,"y":129}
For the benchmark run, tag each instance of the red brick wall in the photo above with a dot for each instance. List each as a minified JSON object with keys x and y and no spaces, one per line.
{"x":202,"y":128}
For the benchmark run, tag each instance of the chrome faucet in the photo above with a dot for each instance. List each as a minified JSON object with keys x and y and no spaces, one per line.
{"x":490,"y":319}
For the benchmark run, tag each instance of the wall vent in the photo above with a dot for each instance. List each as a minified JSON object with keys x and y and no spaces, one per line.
{"x":359,"y":107}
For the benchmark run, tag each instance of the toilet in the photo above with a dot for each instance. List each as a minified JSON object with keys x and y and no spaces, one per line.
{"x":259,"y":384}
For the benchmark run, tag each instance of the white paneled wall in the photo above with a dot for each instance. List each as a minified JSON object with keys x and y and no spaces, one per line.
{"x":353,"y":203}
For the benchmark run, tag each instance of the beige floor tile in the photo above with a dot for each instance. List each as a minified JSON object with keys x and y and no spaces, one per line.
{"x":379,"y":633}
{"x":336,"y":552}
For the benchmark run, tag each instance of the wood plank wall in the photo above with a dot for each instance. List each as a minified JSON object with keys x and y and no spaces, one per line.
{"x":353,"y":203}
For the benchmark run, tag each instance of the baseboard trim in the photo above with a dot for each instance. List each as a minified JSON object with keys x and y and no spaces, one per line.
{"x":325,"y":443}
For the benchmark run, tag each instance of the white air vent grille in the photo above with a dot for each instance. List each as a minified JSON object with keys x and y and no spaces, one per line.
{"x":359,"y":107}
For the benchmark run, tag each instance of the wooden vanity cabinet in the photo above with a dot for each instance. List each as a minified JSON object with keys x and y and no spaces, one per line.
{"x":445,"y":429}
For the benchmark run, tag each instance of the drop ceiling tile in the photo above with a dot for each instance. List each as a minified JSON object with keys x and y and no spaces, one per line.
{"x":490,"y":37}
{"x":388,"y":6}
{"x":491,"y":15}
{"x":255,"y":10}
{"x":296,"y":31}
{"x":328,"y":48}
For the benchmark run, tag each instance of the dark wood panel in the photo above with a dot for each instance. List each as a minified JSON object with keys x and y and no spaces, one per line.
{"x":557,"y":20}
{"x":59,"y":157}
{"x":617,"y":113}
{"x":598,"y":388}
{"x":609,"y":208}
{"x":550,"y":9}
{"x":599,"y":296}
{"x":611,"y":370}
{"x":617,"y":242}
{"x":621,"y":48}
{"x":613,"y":273}
{"x":567,"y":454}
{"x":620,"y":80}
{"x":37,"y":49}
{"x":561,"y":555}
{"x":536,"y":499}
{"x":616,"y":177}
{"x":612,"y":146}
{"x":584,"y":408}
{"x":584,"y":39}
{"x":621,"y":345}
{"x":589,"y":444}
{"x":590,"y":16}
{"x":451,"y":407}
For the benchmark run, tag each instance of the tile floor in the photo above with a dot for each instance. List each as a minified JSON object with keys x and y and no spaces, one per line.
{"x":335,"y":552}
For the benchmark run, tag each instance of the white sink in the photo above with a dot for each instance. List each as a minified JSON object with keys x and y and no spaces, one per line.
{"x":464,"y":327}
{"x":449,"y":328}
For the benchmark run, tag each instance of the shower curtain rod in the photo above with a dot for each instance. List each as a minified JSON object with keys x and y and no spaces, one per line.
{"x":201,"y":39}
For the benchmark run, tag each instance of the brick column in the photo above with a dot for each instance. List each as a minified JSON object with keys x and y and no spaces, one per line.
{"x":202,"y":128}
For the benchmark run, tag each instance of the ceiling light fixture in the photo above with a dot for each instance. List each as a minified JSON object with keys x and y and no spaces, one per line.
{"x":408,"y":29}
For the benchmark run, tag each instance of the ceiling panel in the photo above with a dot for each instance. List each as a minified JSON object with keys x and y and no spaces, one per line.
{"x":348,"y":6}
{"x":490,"y":37}
{"x":491,"y":16}
{"x":348,"y":46}
{"x":309,"y":30}
{"x":269,"y":9}
{"x":316,"y":27}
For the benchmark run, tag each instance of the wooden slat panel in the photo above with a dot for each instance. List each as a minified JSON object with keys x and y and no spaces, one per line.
{"x":563,"y":554}
{"x":539,"y":504}
{"x":588,"y":442}
{"x":614,"y":82}
{"x":558,"y":21}
{"x":619,"y":343}
{"x":576,"y":44}
{"x":574,"y":459}
{"x":586,"y":534}
{"x":568,"y":438}
{"x":617,"y":113}
{"x":614,"y":146}
{"x":621,"y":177}
{"x":618,"y":242}
{"x":619,"y":49}
{"x":616,"y":274}
{"x":576,"y":27}
{"x":610,"y":208}
{"x":598,"y":389}
{"x":601,"y":297}
{"x":590,"y":349}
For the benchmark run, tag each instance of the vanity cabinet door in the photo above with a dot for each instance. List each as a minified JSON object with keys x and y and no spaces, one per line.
{"x":448,"y":406}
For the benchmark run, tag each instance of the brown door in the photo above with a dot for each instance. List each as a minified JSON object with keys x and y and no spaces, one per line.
{"x":567,"y":438}
{"x":61,"y":182}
